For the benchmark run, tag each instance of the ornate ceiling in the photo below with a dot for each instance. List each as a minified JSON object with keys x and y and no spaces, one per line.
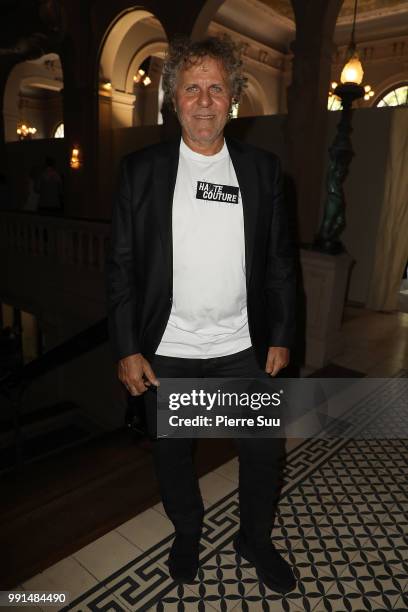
{"x":364,"y":6}
{"x":284,"y":7}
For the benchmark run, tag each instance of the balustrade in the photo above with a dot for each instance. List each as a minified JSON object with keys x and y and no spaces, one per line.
{"x":77,"y":242}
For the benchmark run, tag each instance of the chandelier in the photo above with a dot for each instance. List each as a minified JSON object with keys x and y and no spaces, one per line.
{"x":142,"y":77}
{"x":25,"y":132}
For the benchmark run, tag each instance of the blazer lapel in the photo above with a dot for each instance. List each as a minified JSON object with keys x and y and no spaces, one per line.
{"x":164,"y":182}
{"x":246,"y":172}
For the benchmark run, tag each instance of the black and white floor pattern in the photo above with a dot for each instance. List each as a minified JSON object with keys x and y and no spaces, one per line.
{"x":342,"y":524}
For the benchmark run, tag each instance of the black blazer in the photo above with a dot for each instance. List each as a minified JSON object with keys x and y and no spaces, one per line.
{"x":139,"y":268}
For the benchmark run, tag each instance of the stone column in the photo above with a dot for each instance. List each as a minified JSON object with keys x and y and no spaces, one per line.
{"x":123,"y":105}
{"x":307,"y":105}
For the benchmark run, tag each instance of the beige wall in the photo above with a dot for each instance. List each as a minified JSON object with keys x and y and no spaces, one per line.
{"x":364,"y":186}
{"x":364,"y":189}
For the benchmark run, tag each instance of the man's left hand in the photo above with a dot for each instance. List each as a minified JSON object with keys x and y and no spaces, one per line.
{"x":278,"y":358}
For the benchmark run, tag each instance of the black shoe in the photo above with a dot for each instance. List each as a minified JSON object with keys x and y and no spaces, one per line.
{"x":271,"y":567}
{"x":183,"y":558}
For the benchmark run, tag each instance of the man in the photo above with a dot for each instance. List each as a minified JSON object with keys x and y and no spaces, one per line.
{"x":201,"y":283}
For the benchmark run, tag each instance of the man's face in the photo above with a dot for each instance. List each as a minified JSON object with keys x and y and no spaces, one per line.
{"x":203,"y":100}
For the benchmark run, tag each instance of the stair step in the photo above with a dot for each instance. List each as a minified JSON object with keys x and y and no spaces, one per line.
{"x":37,"y":415}
{"x":44,"y":444}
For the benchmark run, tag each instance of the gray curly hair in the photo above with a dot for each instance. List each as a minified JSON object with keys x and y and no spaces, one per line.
{"x":183,"y":53}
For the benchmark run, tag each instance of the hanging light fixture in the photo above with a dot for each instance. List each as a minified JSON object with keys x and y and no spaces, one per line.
{"x":142,"y":77}
{"x":352,"y":74}
{"x":25,"y":131}
{"x":368,"y":92}
{"x":140,"y":74}
{"x":353,"y":71}
{"x":341,"y":151}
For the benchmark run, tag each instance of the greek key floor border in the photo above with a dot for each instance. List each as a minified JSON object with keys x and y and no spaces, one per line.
{"x":342,"y":523}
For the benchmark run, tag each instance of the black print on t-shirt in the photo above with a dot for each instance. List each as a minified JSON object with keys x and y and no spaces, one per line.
{"x":217,"y":193}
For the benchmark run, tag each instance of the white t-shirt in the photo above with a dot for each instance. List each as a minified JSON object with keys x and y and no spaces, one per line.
{"x":209,"y":311}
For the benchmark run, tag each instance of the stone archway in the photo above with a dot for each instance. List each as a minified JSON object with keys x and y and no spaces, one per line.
{"x":265,"y":30}
{"x":33,"y":95}
{"x":134,"y":40}
{"x":254,"y":101}
{"x":205,"y":16}
{"x":134,"y":36}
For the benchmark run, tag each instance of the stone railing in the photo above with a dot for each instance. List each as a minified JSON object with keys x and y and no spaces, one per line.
{"x":78,"y":242}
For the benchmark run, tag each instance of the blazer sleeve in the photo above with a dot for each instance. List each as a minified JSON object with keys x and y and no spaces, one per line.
{"x":280,"y":278}
{"x":121,"y":290}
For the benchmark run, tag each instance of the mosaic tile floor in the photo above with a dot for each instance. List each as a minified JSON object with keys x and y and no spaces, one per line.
{"x":342,"y":524}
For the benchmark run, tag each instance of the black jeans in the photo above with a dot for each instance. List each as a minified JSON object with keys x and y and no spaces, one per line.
{"x":261,"y":460}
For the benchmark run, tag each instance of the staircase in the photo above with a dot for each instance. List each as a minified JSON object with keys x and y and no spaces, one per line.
{"x":44,"y":432}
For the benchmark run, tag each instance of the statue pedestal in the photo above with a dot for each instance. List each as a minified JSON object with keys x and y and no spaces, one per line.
{"x":325,"y":280}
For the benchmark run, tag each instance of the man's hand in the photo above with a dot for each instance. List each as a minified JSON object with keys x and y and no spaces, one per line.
{"x":278,"y":358}
{"x":132,"y":369}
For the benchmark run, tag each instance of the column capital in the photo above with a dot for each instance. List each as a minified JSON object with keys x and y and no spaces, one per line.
{"x":122,"y":97}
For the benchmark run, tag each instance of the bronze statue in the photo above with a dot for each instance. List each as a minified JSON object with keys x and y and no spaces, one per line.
{"x":334,"y":217}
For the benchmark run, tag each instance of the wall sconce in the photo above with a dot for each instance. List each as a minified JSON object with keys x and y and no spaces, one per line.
{"x":75,"y":161}
{"x":105,"y":87}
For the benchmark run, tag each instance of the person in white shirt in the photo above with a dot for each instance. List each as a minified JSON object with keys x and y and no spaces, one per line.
{"x":201,"y":283}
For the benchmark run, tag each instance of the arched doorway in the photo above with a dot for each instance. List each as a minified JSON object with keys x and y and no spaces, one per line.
{"x":265,"y":30}
{"x":134,"y":46}
{"x":33,"y":98}
{"x":130,"y":67}
{"x":33,"y":107}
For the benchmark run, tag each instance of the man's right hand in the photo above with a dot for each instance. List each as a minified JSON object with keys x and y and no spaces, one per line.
{"x":136,"y":373}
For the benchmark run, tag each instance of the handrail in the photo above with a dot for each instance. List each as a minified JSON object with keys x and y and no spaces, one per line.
{"x":64,"y":240}
{"x":34,"y":213}
{"x":14,"y":384}
{"x":70,"y":349}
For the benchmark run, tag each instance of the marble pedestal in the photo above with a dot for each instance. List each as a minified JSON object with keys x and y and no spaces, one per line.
{"x":325,"y":280}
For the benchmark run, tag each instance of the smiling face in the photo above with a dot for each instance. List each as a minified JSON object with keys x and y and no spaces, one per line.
{"x":202,"y":100}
